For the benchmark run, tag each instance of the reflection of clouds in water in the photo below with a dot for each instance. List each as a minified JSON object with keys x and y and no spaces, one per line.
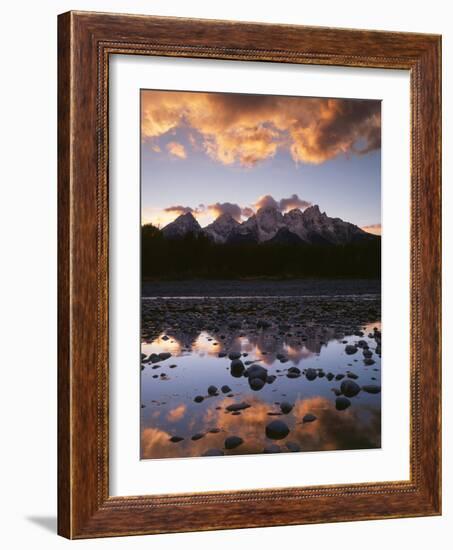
{"x":177,"y":413}
{"x":331,"y":430}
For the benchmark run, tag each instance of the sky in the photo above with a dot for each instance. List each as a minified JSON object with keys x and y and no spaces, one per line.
{"x":210,"y":153}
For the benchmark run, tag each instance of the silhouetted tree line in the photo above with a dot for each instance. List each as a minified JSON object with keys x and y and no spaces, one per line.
{"x":198,"y":257}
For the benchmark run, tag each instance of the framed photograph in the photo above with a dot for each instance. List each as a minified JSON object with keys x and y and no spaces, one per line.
{"x":249,"y":275}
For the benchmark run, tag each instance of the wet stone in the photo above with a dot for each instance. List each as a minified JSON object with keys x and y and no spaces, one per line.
{"x":286,"y":407}
{"x":371,"y":388}
{"x":176,"y":439}
{"x":277,"y":429}
{"x":342,"y":403}
{"x":232,"y":442}
{"x":349,"y":388}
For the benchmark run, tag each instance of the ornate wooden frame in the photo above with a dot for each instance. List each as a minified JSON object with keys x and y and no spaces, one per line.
{"x":85,"y":42}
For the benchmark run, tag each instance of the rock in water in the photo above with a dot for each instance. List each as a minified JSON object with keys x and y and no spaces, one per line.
{"x":371,"y":388}
{"x":309,"y":418}
{"x":286,"y":407}
{"x":237,"y":368}
{"x":311,"y":374}
{"x":256,"y":371}
{"x":225,"y":389}
{"x":176,"y":439}
{"x":198,"y":399}
{"x":293,"y":447}
{"x":212,"y":390}
{"x":349,"y":388}
{"x":164,"y":355}
{"x":232,"y":442}
{"x":350,"y":350}
{"x":342,"y":403}
{"x":256,"y":384}
{"x":237,"y":406}
{"x":234,"y":355}
{"x":277,"y":430}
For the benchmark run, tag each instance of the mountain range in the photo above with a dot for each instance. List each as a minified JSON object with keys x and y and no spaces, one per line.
{"x":269,"y":225}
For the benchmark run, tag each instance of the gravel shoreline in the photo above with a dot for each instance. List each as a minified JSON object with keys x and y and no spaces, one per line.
{"x":296,"y":287}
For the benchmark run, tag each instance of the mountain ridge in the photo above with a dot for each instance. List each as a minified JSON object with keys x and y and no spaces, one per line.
{"x":269,"y":225}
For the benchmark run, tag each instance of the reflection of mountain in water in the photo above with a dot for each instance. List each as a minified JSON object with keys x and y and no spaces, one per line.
{"x":295,"y":326}
{"x":265,"y":343}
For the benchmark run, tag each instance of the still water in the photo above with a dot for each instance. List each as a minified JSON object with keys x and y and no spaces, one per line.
{"x":323,"y":393}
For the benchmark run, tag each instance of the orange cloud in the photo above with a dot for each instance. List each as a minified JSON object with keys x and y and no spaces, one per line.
{"x":247,"y":129}
{"x":375,"y":228}
{"x":176,"y":149}
{"x":283,"y":204}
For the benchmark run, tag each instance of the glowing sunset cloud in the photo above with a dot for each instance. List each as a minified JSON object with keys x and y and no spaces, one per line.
{"x":220,"y":153}
{"x":247,"y":129}
{"x":375,"y":228}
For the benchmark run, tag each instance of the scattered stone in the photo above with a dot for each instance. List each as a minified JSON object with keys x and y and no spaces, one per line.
{"x":199,"y":399}
{"x":309,"y":418}
{"x":256,"y":384}
{"x":293,"y":447}
{"x":286,"y":407}
{"x":349,"y":388}
{"x":212,"y":391}
{"x":233,"y":441}
{"x":234,"y":355}
{"x":342,"y":403}
{"x":350,"y":349}
{"x":237,"y":406}
{"x":277,"y":429}
{"x":176,"y":439}
{"x":226,"y":389}
{"x":311,"y":374}
{"x":198,"y":436}
{"x":237,"y":368}
{"x":164,"y":355}
{"x":294,"y":370}
{"x":256,"y":371}
{"x":371,"y":388}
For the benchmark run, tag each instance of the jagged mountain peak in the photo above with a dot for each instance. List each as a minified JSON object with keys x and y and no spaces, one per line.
{"x":268,"y":224}
{"x":221,"y":228}
{"x":182,"y":226}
